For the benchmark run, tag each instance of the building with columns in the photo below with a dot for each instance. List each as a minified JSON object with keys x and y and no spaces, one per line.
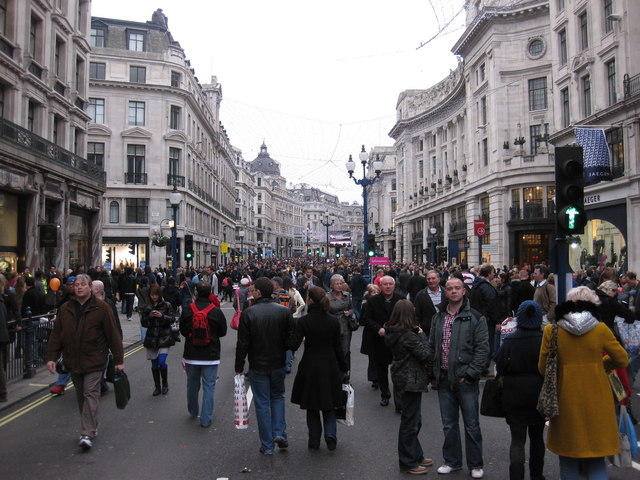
{"x":50,"y":195}
{"x":155,"y":127}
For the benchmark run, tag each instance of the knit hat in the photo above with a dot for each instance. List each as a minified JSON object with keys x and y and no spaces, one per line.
{"x":244,"y":282}
{"x":529,"y":315}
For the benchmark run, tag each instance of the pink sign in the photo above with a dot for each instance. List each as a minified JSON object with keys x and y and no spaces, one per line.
{"x":379,"y":261}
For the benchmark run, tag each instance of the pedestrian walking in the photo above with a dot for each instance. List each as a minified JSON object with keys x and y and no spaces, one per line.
{"x":317,"y":387}
{"x":410,"y":377}
{"x":266,"y":332}
{"x":157,"y":317}
{"x":84,"y":332}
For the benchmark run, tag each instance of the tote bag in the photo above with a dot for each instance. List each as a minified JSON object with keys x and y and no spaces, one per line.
{"x":548,"y":399}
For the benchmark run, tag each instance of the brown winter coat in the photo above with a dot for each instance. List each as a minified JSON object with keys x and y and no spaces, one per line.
{"x":85,"y":348}
{"x":586,"y":426}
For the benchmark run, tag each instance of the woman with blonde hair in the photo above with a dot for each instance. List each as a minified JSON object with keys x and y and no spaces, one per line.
{"x":342,"y":307}
{"x":410,"y":377}
{"x":585,"y":431}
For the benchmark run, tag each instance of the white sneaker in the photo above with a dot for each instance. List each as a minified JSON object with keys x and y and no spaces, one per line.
{"x":477,"y":473}
{"x":85,"y":442}
{"x":444,"y":469}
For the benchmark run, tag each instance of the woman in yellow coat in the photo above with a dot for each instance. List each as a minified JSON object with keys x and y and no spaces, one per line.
{"x":585,"y":431}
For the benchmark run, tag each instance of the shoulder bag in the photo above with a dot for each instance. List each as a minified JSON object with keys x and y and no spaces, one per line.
{"x":235,"y":321}
{"x":548,"y":399}
{"x":491,"y":403}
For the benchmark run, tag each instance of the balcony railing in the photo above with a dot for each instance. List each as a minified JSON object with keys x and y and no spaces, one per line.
{"x":6,"y":48}
{"x":59,"y":88}
{"x":631,"y":85}
{"x":35,"y":69}
{"x":532,"y":211}
{"x":50,"y":151}
{"x":175,"y":180}
{"x":417,"y":235}
{"x":135,"y":178}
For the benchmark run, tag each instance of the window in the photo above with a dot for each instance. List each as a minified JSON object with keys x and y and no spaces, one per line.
{"x":259,"y":210}
{"x":538,"y":93}
{"x":175,"y":79}
{"x":608,"y":11}
{"x":483,"y":111}
{"x":393,"y":184}
{"x":59,"y":60}
{"x":560,"y":5}
{"x":174,"y":161}
{"x":260,"y":198}
{"x":482,"y":72}
{"x":3,"y":89}
{"x":96,"y":110}
{"x":97,"y":71}
{"x":58,"y":130}
{"x":485,"y":152}
{"x":611,"y":81}
{"x":137,"y":74}
{"x":537,"y":135}
{"x":615,"y":139}
{"x":536,"y":47}
{"x":135,"y":164}
{"x":95,"y":153}
{"x":98,"y":35}
{"x":420,"y":169}
{"x":564,"y":107}
{"x":3,"y":17}
{"x":34,"y":34}
{"x":584,"y":30}
{"x":114,"y":212}
{"x":135,"y":41}
{"x":31,"y":116}
{"x":174,"y":117}
{"x":136,"y":113}
{"x":137,"y":210}
{"x":586,"y":95}
{"x":562,"y":40}
{"x":433,"y":165}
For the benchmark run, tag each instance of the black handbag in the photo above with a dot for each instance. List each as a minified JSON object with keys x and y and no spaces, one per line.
{"x":491,"y":403}
{"x":110,"y":373}
{"x":122,"y":389}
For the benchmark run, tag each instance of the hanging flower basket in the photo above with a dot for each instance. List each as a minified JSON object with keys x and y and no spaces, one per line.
{"x":160,"y":240}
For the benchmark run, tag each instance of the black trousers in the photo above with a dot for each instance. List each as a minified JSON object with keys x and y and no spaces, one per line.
{"x":410,"y":452}
{"x":536,"y":451}
{"x":382,"y":371}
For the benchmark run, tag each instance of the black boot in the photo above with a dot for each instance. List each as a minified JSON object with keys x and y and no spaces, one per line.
{"x":156,"y":381}
{"x":165,"y":385}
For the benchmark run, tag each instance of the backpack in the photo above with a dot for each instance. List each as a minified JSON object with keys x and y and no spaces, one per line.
{"x":285,"y":300}
{"x":225,"y":282}
{"x":200,"y":334}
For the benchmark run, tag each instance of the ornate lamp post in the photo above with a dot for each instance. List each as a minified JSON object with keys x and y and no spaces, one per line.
{"x":327,"y":224}
{"x":175,"y":197}
{"x":433,"y":231}
{"x":364,"y":182}
{"x":241,"y":235}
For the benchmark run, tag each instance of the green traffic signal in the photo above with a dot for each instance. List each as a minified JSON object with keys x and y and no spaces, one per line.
{"x":371,"y":253}
{"x":572,"y":218}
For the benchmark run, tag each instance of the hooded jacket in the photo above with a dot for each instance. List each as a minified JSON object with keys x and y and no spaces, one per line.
{"x":410,"y":351}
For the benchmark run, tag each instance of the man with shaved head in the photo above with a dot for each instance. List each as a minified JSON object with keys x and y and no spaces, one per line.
{"x":375,"y":316}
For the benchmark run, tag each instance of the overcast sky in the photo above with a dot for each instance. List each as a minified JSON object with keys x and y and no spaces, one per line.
{"x":314,"y":80}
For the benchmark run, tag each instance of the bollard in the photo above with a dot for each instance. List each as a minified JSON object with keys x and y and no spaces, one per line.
{"x":29,"y":351}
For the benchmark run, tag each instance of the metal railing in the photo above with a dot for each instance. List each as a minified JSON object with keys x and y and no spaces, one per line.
{"x":631,"y":85}
{"x":28,"y":344}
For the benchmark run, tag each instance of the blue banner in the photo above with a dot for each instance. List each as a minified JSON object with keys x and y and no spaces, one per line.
{"x":597,"y":162}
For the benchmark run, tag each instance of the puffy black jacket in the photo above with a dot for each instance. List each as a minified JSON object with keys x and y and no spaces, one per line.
{"x":266,"y":332}
{"x":409,"y":366}
{"x":158,"y":328}
{"x":217,"y":329}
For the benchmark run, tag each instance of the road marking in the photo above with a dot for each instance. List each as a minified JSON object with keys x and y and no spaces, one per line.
{"x":45,"y":398}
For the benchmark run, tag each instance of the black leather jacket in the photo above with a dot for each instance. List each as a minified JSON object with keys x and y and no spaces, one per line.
{"x":266,"y":332}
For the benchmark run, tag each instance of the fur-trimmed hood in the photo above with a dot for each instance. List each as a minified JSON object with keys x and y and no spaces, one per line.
{"x":578,"y":317}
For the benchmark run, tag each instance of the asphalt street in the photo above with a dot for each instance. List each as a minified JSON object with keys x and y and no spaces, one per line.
{"x":155,"y":438}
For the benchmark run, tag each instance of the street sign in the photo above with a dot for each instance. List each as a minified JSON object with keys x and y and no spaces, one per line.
{"x":491,"y":248}
{"x":479,"y":228}
{"x":379,"y":261}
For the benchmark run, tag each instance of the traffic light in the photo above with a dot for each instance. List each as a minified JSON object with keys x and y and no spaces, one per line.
{"x":132,"y":248}
{"x":442,"y":254}
{"x":571,"y":217}
{"x":188,"y":247}
{"x":107,"y":256}
{"x":371,"y":245}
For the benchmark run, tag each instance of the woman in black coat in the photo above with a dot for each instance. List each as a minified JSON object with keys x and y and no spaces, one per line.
{"x":517,"y":364}
{"x":318,"y":383}
{"x":157,"y":318}
{"x":410,"y":377}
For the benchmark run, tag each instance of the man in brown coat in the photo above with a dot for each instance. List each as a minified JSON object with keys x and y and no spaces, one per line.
{"x":85,"y":331}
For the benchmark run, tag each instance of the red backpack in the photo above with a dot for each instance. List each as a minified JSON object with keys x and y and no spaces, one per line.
{"x":200,"y":334}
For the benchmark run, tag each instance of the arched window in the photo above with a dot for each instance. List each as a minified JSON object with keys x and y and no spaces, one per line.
{"x":114,"y":212}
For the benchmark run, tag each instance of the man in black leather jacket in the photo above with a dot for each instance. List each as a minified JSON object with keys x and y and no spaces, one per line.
{"x":265,"y":334}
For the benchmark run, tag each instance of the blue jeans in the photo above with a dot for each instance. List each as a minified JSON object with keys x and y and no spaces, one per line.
{"x":268,"y":394}
{"x":595,"y":468}
{"x":63,"y":380}
{"x":208,"y":374}
{"x":455,"y":398}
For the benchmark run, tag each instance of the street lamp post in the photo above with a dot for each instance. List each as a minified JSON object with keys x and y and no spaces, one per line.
{"x":364,"y":182}
{"x":175,"y":197}
{"x":327,"y":224}
{"x":433,"y":231}
{"x":241,"y":235}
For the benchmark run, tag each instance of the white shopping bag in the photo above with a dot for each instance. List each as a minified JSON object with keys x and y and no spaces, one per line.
{"x":345,"y":414}
{"x":240,"y":404}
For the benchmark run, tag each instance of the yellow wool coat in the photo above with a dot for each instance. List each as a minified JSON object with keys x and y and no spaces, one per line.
{"x":586,"y":426}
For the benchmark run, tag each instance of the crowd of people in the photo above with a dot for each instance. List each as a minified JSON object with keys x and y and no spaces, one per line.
{"x":442,"y":328}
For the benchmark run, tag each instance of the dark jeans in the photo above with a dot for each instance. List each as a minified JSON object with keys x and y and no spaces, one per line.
{"x":410,"y":452}
{"x":129,"y":299}
{"x":315,"y":427}
{"x":454,"y":398}
{"x":536,"y":451}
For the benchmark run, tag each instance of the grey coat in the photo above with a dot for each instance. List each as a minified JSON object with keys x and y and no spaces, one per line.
{"x":469,"y":347}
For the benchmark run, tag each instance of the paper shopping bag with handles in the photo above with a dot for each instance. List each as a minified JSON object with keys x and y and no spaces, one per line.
{"x":240,"y":404}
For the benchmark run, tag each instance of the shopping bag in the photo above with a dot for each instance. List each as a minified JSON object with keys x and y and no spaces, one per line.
{"x":491,"y":403}
{"x":625,"y":457}
{"x":235,"y":321}
{"x":240,"y":404}
{"x":548,"y":399}
{"x":617,"y":387}
{"x":122,"y":389}
{"x":629,"y":335}
{"x":344,"y":413}
{"x":508,"y":326}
